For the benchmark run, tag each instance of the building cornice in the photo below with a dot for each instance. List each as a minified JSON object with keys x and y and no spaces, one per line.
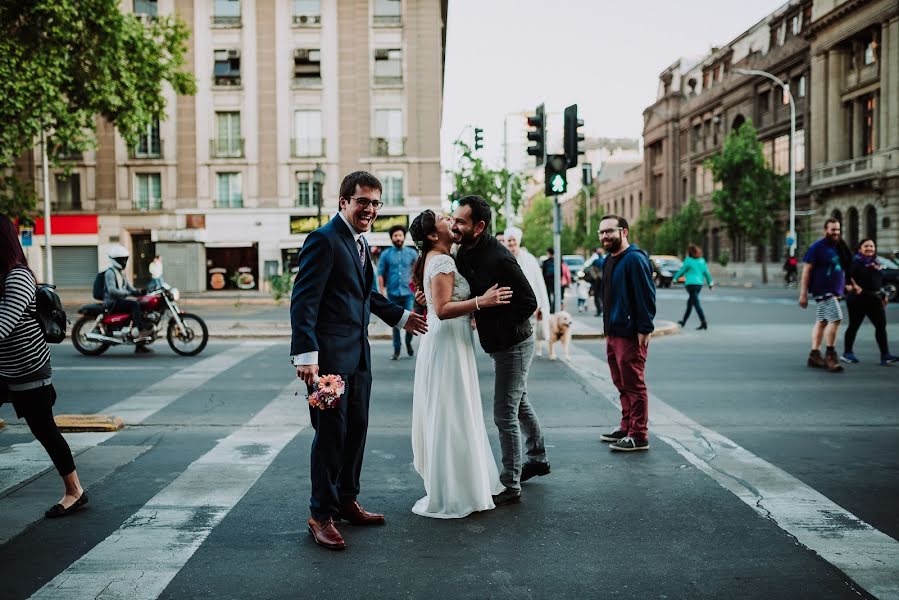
{"x":833,"y":16}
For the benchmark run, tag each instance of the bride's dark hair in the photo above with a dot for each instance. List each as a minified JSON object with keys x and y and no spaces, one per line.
{"x":422,"y":226}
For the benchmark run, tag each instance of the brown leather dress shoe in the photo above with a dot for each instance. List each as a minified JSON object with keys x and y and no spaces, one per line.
{"x":325,"y":534}
{"x":355,"y":514}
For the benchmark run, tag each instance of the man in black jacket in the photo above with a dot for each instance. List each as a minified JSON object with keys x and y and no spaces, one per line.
{"x":506,"y":335}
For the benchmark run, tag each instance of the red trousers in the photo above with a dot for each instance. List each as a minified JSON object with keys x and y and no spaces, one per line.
{"x":627,"y":363}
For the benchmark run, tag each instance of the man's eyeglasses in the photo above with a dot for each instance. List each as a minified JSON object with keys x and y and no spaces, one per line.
{"x":603,"y":232}
{"x":364,"y":202}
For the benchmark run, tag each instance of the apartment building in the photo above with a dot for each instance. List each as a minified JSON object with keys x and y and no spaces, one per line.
{"x":292,"y":95}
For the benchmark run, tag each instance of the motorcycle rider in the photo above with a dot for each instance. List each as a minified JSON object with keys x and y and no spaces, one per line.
{"x":115,"y":297}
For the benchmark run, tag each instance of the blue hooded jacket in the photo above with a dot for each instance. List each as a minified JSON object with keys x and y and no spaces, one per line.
{"x":633,"y":299}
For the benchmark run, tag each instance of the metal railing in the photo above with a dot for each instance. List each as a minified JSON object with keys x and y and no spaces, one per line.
{"x":388,"y":146}
{"x":152,"y":151}
{"x":387,"y":20}
{"x":236,"y":202}
{"x":226,"y":148}
{"x":226,"y":21}
{"x":149,"y":204}
{"x":307,"y":20}
{"x":388,"y":80}
{"x":307,"y":147}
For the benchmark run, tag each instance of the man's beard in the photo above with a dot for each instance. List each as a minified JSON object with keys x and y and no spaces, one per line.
{"x":614,"y":245}
{"x":397,"y":244}
{"x":466,"y":239}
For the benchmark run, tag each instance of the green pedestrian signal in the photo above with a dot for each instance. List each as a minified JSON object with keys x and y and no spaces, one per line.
{"x":556,"y":175}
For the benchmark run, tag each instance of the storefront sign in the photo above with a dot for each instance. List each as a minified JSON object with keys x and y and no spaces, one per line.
{"x":26,"y":236}
{"x":384,"y":222}
{"x":300,"y":224}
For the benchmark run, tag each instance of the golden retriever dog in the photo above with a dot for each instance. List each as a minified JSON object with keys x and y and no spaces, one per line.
{"x":560,"y":331}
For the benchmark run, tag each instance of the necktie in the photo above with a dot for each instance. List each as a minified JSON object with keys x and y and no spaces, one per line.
{"x":361,"y":252}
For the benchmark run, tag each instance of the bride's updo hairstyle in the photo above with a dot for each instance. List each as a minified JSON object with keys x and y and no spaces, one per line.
{"x":422,"y":226}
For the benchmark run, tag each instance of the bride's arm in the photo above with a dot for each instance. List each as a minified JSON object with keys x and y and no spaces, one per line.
{"x":442,"y":291}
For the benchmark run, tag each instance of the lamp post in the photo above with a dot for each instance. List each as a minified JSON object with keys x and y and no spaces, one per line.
{"x":318,"y":181}
{"x":786,"y":89}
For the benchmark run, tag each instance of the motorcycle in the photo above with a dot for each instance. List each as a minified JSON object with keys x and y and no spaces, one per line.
{"x":98,"y":330}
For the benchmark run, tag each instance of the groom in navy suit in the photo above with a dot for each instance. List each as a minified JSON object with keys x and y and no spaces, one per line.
{"x":330,"y":309}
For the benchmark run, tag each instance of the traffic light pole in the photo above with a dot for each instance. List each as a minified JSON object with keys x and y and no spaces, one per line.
{"x":557,"y":255}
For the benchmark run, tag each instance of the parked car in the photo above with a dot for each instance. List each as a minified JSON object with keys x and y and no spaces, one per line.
{"x":664,"y":266}
{"x":575,"y":264}
{"x":890,"y":276}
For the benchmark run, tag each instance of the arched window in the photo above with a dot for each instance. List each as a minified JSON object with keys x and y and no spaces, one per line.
{"x":738,"y":122}
{"x":836,"y":214}
{"x":851,"y":232}
{"x":871,"y":223}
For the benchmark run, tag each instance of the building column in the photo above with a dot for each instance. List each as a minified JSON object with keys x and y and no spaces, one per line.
{"x":816,"y":130}
{"x":837,"y":144}
{"x":883,"y":104}
{"x":857,"y":116}
{"x":890,"y":94}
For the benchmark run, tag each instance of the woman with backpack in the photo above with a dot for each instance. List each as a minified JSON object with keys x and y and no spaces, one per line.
{"x":25,"y":373}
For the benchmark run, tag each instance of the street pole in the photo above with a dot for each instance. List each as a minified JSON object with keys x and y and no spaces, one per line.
{"x":557,"y":255}
{"x":509,"y":216}
{"x":45,"y":176}
{"x":786,"y":88}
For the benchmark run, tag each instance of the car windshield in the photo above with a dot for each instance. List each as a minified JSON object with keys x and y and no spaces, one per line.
{"x":889,"y":263}
{"x":670,"y":264}
{"x":574,"y":261}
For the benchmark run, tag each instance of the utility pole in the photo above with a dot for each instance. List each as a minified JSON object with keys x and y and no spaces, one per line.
{"x":48,"y":245}
{"x":557,"y":254}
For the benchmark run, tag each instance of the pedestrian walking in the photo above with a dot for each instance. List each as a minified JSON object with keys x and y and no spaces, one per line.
{"x":583,"y":294}
{"x":549,"y":275}
{"x":25,"y":372}
{"x":394,"y":277}
{"x":824,"y":277}
{"x":629,"y":299}
{"x":696,"y":273}
{"x":869,"y":300}
{"x":530,"y":266}
{"x":564,"y":283}
{"x":594,"y":276}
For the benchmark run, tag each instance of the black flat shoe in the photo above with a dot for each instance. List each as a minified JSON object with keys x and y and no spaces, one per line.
{"x":57,"y":510}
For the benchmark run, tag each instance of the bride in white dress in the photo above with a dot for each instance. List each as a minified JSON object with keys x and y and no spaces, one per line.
{"x":449,"y":440}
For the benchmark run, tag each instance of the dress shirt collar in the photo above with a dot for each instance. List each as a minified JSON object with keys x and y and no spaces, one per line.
{"x":356,"y":234}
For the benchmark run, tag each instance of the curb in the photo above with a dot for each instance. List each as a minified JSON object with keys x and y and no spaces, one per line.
{"x":80,"y":423}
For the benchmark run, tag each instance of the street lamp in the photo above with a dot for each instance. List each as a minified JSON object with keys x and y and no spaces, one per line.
{"x":318,"y":181}
{"x":786,"y":88}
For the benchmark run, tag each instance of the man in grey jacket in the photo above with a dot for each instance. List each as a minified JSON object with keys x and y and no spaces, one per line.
{"x":117,"y":291}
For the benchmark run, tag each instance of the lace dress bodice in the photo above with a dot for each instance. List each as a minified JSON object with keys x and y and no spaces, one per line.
{"x":441,"y":265}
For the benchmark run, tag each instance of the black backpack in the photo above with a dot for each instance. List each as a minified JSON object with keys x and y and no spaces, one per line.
{"x":49,"y":314}
{"x":99,"y":290}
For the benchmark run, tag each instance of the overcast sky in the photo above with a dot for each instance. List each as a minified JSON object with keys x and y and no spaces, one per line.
{"x":605,"y":55}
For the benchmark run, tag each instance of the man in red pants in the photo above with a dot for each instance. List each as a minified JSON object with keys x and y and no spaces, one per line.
{"x":629,"y":299}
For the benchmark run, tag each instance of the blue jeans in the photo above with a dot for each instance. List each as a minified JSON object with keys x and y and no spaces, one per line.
{"x":692,"y":301}
{"x":512,"y":412}
{"x":406,"y":303}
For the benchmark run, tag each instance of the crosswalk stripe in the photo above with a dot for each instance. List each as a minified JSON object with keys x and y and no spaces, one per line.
{"x":868,"y":556}
{"x":141,"y":558}
{"x":20,"y":463}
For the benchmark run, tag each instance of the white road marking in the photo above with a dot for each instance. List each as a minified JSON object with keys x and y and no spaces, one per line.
{"x":20,"y":463}
{"x":868,"y":556}
{"x":120,"y":367}
{"x":141,"y":558}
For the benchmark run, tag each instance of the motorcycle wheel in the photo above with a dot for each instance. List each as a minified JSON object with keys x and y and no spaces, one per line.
{"x":80,"y":329}
{"x":192,"y":340}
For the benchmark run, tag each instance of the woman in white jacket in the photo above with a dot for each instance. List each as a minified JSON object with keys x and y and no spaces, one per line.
{"x":531,"y":268}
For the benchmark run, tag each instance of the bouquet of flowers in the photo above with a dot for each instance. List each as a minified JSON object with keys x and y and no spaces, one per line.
{"x":326,"y":391}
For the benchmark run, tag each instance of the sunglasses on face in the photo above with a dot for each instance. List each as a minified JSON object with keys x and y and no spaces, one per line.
{"x":364,"y":202}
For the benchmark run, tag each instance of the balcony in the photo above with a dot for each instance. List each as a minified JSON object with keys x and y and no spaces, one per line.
{"x":226,"y":148}
{"x":226,"y":21}
{"x":147,"y":204}
{"x":307,"y":20}
{"x":232,"y":202}
{"x":388,"y":146}
{"x":856,"y":170}
{"x":307,"y":147}
{"x":388,"y":80}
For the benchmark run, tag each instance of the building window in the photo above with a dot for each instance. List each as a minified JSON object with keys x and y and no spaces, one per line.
{"x":781,"y":163}
{"x":799,"y":151}
{"x":388,"y":66}
{"x":307,"y":67}
{"x":305,"y":190}
{"x":706,"y":79}
{"x":870,"y":52}
{"x":307,"y":139}
{"x":388,"y":139}
{"x":148,"y":144}
{"x":387,"y":12}
{"x":392,"y":194}
{"x":228,"y":191}
{"x":307,"y":13}
{"x":795,"y":25}
{"x":868,"y":106}
{"x":227,"y":67}
{"x":68,"y":192}
{"x":148,"y":191}
{"x":146,"y":8}
{"x":227,"y":143}
{"x":800,"y":87}
{"x":226,"y":13}
{"x":764,"y":102}
{"x":697,"y":137}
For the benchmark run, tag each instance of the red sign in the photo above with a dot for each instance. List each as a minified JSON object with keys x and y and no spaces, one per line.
{"x":68,"y":225}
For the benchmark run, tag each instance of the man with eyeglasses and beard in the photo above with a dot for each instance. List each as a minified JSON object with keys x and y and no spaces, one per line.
{"x":629,"y":299}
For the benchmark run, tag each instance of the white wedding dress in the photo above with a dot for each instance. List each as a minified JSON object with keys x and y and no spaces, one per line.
{"x":450,"y":447}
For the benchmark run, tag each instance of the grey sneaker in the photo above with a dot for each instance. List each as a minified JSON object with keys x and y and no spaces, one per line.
{"x":629,"y":444}
{"x":614,"y":436}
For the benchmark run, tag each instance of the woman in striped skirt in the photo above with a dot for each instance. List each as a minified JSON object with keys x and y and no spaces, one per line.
{"x":25,"y":366}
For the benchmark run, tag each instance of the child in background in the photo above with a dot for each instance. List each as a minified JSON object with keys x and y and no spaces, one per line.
{"x":583,"y":292}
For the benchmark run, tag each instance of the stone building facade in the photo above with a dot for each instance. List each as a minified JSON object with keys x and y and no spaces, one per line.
{"x":224,"y":184}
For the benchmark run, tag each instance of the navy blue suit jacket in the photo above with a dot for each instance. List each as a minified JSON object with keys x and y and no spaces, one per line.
{"x":333,"y":299}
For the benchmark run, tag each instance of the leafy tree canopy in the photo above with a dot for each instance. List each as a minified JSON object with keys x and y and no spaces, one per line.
{"x":537,"y":228}
{"x":475,"y":178}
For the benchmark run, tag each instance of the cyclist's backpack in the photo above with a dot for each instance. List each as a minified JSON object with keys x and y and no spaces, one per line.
{"x":49,"y":314}
{"x":99,"y":290}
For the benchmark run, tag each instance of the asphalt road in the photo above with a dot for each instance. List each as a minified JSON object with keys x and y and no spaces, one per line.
{"x":205,"y":494}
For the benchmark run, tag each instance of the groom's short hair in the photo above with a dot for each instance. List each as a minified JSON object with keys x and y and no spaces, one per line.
{"x":480,"y":210}
{"x":361,"y":179}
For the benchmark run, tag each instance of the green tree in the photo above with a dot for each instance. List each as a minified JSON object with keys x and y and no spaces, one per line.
{"x":585,"y":236}
{"x":537,"y":226}
{"x":17,"y":199}
{"x":474,"y":177}
{"x":63,"y":63}
{"x":645,"y":230}
{"x":751,"y":194}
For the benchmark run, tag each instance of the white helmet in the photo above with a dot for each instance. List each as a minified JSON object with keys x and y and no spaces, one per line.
{"x":118,"y":256}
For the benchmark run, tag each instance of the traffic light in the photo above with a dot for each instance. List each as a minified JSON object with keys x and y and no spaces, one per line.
{"x":478,"y":138}
{"x":573,"y":137}
{"x":556,"y":175}
{"x":538,"y":135}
